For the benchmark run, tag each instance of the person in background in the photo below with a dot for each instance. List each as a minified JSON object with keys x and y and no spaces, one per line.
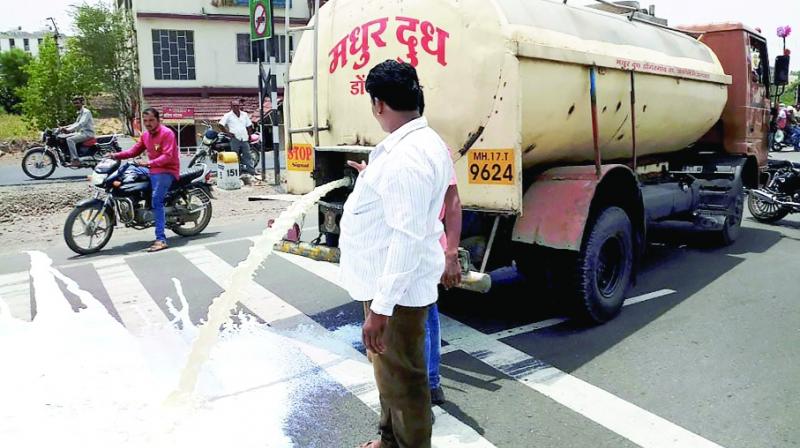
{"x":164,"y":164}
{"x":237,"y":123}
{"x":80,"y":131}
{"x":391,"y":259}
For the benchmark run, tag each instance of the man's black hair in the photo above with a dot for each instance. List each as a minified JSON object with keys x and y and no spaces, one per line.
{"x":396,"y":84}
{"x":152,"y":111}
{"x":79,"y":98}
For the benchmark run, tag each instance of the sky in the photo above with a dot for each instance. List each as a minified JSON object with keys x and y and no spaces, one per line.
{"x":766,"y":14}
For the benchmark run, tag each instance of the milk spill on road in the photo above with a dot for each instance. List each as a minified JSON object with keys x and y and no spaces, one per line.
{"x":80,"y":379}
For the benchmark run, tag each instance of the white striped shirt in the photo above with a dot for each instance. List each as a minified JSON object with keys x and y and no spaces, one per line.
{"x":390,"y":229}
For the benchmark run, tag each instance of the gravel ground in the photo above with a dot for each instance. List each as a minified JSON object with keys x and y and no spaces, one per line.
{"x":32,"y":217}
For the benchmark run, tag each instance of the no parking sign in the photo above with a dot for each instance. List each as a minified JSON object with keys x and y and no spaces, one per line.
{"x":260,"y":19}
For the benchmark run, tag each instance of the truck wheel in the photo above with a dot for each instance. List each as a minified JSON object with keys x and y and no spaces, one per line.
{"x":605,"y":265}
{"x":733,"y":224}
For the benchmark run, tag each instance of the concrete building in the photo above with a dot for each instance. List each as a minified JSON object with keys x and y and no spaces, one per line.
{"x":23,"y":40}
{"x":195,"y":56}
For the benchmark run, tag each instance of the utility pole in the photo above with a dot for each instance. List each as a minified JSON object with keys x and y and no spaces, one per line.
{"x":56,"y":35}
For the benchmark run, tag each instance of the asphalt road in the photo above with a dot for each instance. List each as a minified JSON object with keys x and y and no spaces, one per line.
{"x":703,"y":355}
{"x":11,"y":174}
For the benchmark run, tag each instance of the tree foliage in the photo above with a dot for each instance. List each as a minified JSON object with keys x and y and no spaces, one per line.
{"x":12,"y":77}
{"x":53,"y":80}
{"x":105,"y":38}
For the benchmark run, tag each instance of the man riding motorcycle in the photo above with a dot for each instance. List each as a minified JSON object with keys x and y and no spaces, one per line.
{"x":164,"y":164}
{"x":80,"y":131}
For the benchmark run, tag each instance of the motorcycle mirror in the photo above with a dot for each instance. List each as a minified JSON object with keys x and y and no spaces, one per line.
{"x":781,"y":70}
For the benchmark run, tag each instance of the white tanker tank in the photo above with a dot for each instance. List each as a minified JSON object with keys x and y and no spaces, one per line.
{"x":513,"y":76}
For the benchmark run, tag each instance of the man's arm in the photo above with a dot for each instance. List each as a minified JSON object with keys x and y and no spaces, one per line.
{"x":452,"y":231}
{"x":405,"y":196}
{"x":169,"y":151}
{"x":134,"y":151}
{"x":79,"y":122}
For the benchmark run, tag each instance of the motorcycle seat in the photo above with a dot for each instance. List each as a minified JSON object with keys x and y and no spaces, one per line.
{"x":188,"y":176}
{"x":89,"y":143}
{"x":780,"y":163}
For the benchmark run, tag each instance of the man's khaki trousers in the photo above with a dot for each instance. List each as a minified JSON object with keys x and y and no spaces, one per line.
{"x":401,"y":373}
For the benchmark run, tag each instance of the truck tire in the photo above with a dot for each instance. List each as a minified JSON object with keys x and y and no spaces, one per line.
{"x":733,"y":224}
{"x":605,"y":266}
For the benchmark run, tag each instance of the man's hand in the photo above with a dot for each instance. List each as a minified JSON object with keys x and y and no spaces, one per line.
{"x":357,"y":166}
{"x":109,"y":155}
{"x":142,"y":163}
{"x":372,"y":333}
{"x":452,"y":271}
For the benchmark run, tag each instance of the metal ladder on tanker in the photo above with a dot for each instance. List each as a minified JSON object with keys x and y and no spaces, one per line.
{"x":314,"y":78}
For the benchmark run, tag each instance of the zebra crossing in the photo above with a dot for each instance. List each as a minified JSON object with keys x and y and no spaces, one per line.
{"x":138,"y":308}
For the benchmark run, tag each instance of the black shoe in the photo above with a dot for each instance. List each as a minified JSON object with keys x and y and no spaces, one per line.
{"x":437,"y":396}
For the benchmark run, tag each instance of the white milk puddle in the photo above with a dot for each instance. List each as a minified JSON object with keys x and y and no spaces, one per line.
{"x":81,"y":380}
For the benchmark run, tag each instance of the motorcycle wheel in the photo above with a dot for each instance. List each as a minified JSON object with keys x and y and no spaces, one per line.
{"x":86,"y":230}
{"x":255,"y":155}
{"x":765,"y":212}
{"x":38,"y":163}
{"x":194,"y":200}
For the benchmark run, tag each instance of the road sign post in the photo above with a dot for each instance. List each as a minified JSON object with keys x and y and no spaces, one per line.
{"x":261,"y":29}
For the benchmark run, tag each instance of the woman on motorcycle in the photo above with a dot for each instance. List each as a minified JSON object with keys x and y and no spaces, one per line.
{"x":164,"y":164}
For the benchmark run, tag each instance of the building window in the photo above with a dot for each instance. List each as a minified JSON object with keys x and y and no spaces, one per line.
{"x":39,"y":42}
{"x":173,"y":54}
{"x":26,"y":44}
{"x":249,"y":51}
{"x":11,"y":43}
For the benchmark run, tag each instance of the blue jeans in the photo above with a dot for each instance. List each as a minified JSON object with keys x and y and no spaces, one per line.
{"x":160,"y":184}
{"x":433,"y":345}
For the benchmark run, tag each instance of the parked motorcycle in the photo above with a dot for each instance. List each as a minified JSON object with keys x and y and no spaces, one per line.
{"x":780,"y":194}
{"x":123,"y":196}
{"x":215,"y":142}
{"x":40,"y":162}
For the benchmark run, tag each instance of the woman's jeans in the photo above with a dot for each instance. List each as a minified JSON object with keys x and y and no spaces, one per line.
{"x":160,"y":184}
{"x":433,"y":345}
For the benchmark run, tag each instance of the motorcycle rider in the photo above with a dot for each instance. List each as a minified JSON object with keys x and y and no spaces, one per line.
{"x":164,"y":164}
{"x":238,"y":125}
{"x":80,"y":131}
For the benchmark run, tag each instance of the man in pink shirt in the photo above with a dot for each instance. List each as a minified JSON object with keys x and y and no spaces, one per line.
{"x":164,"y":164}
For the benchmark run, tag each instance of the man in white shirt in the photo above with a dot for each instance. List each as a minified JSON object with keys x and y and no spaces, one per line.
{"x":237,"y":123}
{"x":391,"y":258}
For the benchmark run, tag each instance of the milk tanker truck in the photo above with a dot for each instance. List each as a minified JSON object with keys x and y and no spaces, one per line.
{"x":573,"y":131}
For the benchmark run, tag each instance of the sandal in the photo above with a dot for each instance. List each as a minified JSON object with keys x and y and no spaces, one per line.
{"x":157,"y":246}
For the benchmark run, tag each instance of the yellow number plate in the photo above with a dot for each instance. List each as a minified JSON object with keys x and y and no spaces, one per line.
{"x":491,"y":166}
{"x":300,"y":158}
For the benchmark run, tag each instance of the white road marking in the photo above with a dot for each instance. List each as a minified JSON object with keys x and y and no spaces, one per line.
{"x":349,"y":368}
{"x":15,"y":291}
{"x":626,"y":419}
{"x":560,"y":320}
{"x":136,"y":308}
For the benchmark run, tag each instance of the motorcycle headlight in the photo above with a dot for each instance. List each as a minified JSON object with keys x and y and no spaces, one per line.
{"x":207,"y":141}
{"x":97,"y":179}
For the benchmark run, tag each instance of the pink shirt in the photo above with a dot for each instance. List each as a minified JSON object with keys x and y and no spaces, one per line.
{"x":443,"y":238}
{"x":162,"y":151}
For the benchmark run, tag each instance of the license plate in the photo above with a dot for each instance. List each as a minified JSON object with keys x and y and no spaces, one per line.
{"x":491,"y":167}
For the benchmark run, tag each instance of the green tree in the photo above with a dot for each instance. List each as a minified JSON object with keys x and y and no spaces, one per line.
{"x":53,"y":81}
{"x":12,"y":77}
{"x":105,"y":37}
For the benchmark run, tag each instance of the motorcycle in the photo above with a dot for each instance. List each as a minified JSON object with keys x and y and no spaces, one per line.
{"x":780,"y":194}
{"x":123,"y":196}
{"x":40,"y":162}
{"x":788,"y":137}
{"x":216,"y":142}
